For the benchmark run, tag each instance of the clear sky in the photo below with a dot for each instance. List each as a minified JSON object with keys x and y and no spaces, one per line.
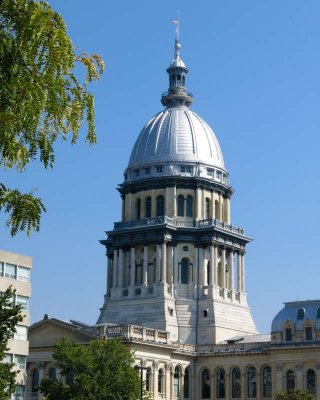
{"x":254,"y":72}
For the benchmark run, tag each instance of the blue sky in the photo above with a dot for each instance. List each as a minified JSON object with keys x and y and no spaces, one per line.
{"x":254,"y":72}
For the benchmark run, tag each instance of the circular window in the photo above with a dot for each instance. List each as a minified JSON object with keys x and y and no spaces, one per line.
{"x":185,"y":248}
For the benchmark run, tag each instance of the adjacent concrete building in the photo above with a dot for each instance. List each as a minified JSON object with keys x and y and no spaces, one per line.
{"x":15,"y":271}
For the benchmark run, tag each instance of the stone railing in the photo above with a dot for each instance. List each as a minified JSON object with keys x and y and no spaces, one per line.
{"x":233,"y":347}
{"x":133,"y":332}
{"x":178,"y":223}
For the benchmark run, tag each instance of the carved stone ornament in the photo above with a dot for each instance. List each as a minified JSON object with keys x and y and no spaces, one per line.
{"x":41,"y":364}
{"x":299,"y":367}
{"x":318,"y":366}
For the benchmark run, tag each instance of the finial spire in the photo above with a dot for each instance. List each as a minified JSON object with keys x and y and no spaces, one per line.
{"x":177,"y":94}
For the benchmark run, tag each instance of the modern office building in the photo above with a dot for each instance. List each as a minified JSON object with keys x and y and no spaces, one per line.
{"x":15,"y":271}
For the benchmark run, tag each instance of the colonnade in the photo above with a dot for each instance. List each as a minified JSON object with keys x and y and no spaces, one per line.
{"x":213,"y":266}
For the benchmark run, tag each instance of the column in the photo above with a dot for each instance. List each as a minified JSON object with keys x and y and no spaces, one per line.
{"x":243,"y":385}
{"x":145,"y":265}
{"x":299,"y":375}
{"x":203,"y":204}
{"x":212,"y":266}
{"x":168,"y":382}
{"x":231,"y":270}
{"x":41,"y":367}
{"x":223,"y":267}
{"x":212,"y":386}
{"x":238,"y":272}
{"x":132,"y":266}
{"x":227,"y":385}
{"x":164,"y":263}
{"x":175,"y":267}
{"x":227,"y":202}
{"x":109,"y":278}
{"x":201,"y":272}
{"x":243,"y":278}
{"x":115,"y":268}
{"x":121,"y":267}
{"x":279,"y":378}
{"x":153,"y":204}
{"x":221,"y":207}
{"x":158,"y":263}
{"x":167,"y":201}
{"x":174,"y":199}
{"x":258,"y":380}
{"x":215,"y":263}
{"x":155,"y":380}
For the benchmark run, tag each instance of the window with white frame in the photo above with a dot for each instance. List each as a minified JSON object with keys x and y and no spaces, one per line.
{"x":147,"y":170}
{"x":20,"y":361}
{"x":7,"y":359}
{"x":23,"y":301}
{"x":21,"y":333}
{"x":23,"y":274}
{"x":1,"y":269}
{"x":210,"y":171}
{"x":186,"y":169}
{"x":10,"y":271}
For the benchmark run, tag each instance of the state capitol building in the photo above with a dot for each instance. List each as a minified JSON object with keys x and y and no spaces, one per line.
{"x":176,"y":271}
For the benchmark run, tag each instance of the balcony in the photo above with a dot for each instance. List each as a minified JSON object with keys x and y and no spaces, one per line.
{"x":178,"y":223}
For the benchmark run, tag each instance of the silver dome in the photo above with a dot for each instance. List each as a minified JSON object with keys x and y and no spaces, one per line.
{"x":177,"y":135}
{"x":290,"y":312}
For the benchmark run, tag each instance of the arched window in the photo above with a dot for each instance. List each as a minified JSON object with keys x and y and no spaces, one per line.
{"x":148,"y":207}
{"x":252,"y":382}
{"x":219,"y":274}
{"x":185,"y":270}
{"x":148,"y":380}
{"x":180,"y":206}
{"x":205,"y":384}
{"x":160,"y":380}
{"x":291,"y":380}
{"x":186,"y":384}
{"x":176,"y":382}
{"x":53,"y":374}
{"x":236,"y":383}
{"x":183,"y":80}
{"x":179,"y":80}
{"x":189,"y":206}
{"x":300,"y":313}
{"x":35,"y":380}
{"x":318,"y":312}
{"x":138,"y":208}
{"x":221,"y":384}
{"x":160,"y":206}
{"x":216,"y":210}
{"x":311,"y":381}
{"x":266,"y":382}
{"x":207,"y":209}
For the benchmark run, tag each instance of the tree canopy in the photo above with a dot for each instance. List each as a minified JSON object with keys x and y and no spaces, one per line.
{"x":10,"y":316}
{"x":41,"y":98}
{"x":296,"y":394}
{"x":101,"y":370}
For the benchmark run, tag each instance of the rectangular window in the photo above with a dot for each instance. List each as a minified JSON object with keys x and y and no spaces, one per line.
{"x":7,"y":358}
{"x":159,"y":169}
{"x":24,"y":301}
{"x":23,"y":274}
{"x":20,"y":361}
{"x":147,"y":170}
{"x":10,"y":271}
{"x":1,"y":269}
{"x":137,"y":172}
{"x":210,"y":172}
{"x":219,"y":175}
{"x":22,"y":333}
{"x":186,"y":169}
{"x":289,"y":335}
{"x":308,"y":333}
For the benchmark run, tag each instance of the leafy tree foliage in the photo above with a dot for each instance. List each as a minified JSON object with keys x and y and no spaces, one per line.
{"x":296,"y":394}
{"x":101,"y":370}
{"x":10,"y":316}
{"x":41,"y":98}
